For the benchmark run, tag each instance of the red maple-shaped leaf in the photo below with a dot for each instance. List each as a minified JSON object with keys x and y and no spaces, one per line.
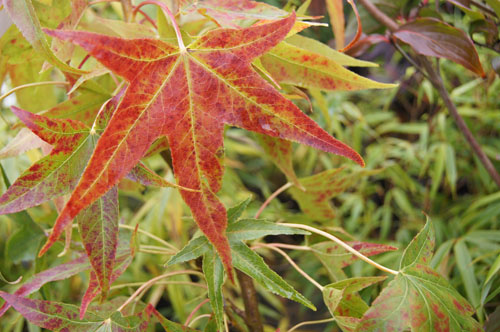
{"x":189,"y":95}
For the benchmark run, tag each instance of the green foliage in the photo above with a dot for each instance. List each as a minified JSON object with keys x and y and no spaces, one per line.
{"x":445,"y":270}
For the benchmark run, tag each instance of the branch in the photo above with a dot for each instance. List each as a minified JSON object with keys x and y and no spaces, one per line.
{"x":380,"y":15}
{"x":252,"y":314}
{"x":437,"y":82}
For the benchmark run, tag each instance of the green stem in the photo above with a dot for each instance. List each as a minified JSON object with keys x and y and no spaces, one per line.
{"x":343,"y":245}
{"x":30,"y":85}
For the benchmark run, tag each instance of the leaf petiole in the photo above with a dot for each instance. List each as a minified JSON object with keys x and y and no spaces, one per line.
{"x":292,"y":263}
{"x":270,"y":198}
{"x":343,"y":245}
{"x":167,"y":12}
{"x":30,"y":85}
{"x":151,"y":282}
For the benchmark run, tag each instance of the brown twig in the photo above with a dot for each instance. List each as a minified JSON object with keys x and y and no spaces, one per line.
{"x":252,"y":314}
{"x":437,"y":82}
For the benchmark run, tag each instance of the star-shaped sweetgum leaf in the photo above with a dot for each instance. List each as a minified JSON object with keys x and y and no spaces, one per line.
{"x":57,"y":174}
{"x":189,"y":95}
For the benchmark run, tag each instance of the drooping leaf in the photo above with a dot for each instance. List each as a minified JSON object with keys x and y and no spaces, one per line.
{"x":432,"y":37}
{"x":247,"y":261}
{"x":25,"y":140}
{"x":124,"y":256}
{"x":65,"y":51}
{"x":314,"y":200}
{"x":163,"y":100}
{"x":419,"y":298}
{"x":344,"y":303}
{"x":98,"y":226}
{"x":214,"y":276}
{"x":291,"y":64}
{"x":251,"y":229}
{"x":23,"y":15}
{"x":55,"y":174}
{"x":59,"y":272}
{"x":280,"y":152}
{"x":335,"y":258}
{"x":64,"y":317}
{"x":317,"y":47}
{"x":320,"y":188}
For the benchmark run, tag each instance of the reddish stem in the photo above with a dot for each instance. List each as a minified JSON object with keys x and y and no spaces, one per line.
{"x":147,"y":17}
{"x":167,"y":12}
{"x":358,"y":32}
{"x":83,"y":61}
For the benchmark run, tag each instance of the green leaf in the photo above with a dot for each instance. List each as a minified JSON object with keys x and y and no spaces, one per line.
{"x":466,"y":268}
{"x":495,"y":4}
{"x":214,"y":276}
{"x":495,"y":267}
{"x":280,"y":153}
{"x":251,"y":229}
{"x":247,"y":261}
{"x":194,"y":249}
{"x":243,"y":229}
{"x":211,"y":326}
{"x":451,"y":168}
{"x":23,"y":15}
{"x":235,"y":212}
{"x":420,"y":249}
{"x":23,"y":244}
{"x":170,"y":326}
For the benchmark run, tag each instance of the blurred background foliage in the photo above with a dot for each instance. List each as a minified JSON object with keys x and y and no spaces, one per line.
{"x":418,"y":164}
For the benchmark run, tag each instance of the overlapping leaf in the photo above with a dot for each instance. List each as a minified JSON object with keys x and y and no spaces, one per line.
{"x":25,"y":140}
{"x":320,"y":188}
{"x":294,"y":62}
{"x":23,"y":15}
{"x":56,"y":174}
{"x":335,"y":258}
{"x":67,"y":270}
{"x":344,"y":302}
{"x":64,"y":317}
{"x":245,"y":259}
{"x":419,"y":298}
{"x":59,"y":272}
{"x":189,"y":96}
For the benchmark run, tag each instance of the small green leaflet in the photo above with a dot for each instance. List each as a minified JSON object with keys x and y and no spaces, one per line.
{"x":244,"y":258}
